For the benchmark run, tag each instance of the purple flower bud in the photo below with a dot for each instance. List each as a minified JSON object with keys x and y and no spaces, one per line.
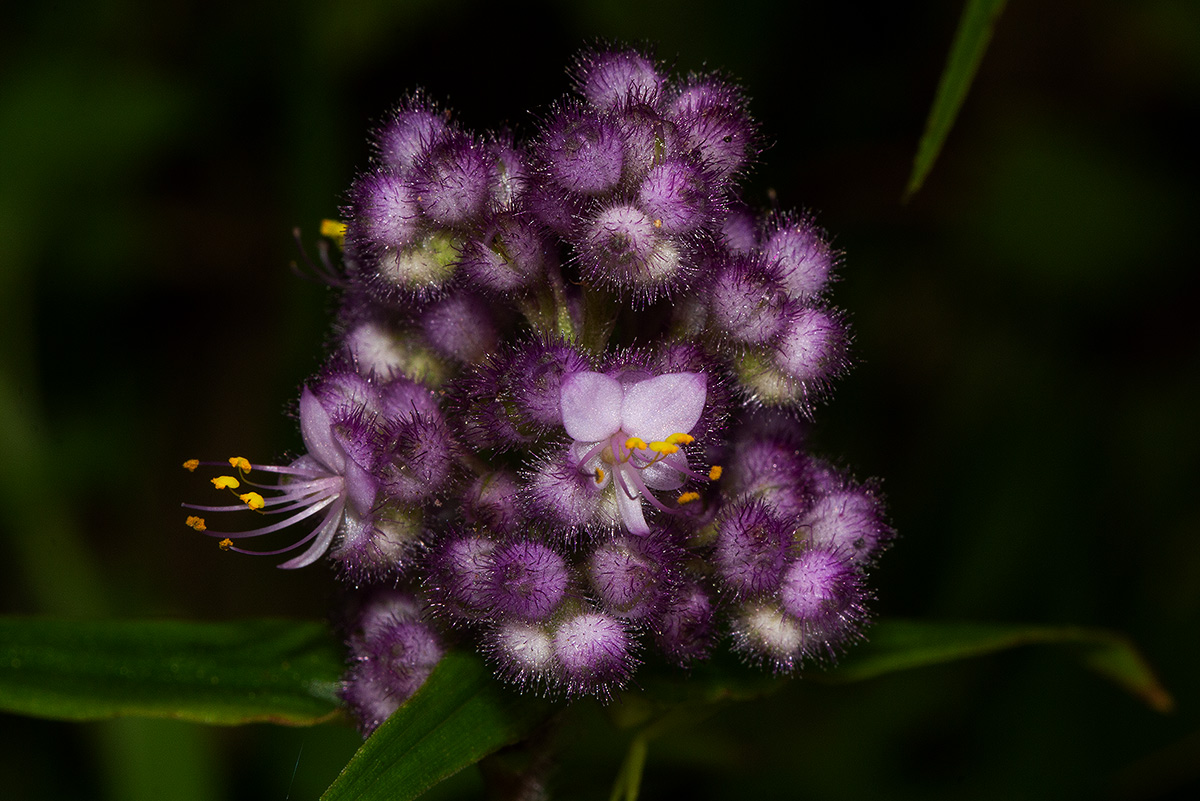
{"x":723,"y":138}
{"x":524,"y":653}
{"x":685,"y":632}
{"x":677,"y":196}
{"x":801,"y":253}
{"x":762,"y":632}
{"x":752,"y":548}
{"x":455,"y":181}
{"x":383,"y":212}
{"x":739,"y":231}
{"x":713,"y":120}
{"x":380,"y":546}
{"x":461,"y":327}
{"x":746,"y":301}
{"x":771,"y":467}
{"x":553,"y":206}
{"x":528,"y":580}
{"x":822,"y":589}
{"x":459,"y":576}
{"x":417,"y":456}
{"x":594,"y":653}
{"x":410,"y":130}
{"x":564,"y":498}
{"x":613,"y":79}
{"x":403,"y":398}
{"x":702,"y":92}
{"x":583,"y":151}
{"x":812,"y":347}
{"x":514,"y":254}
{"x":648,"y":140}
{"x":621,"y":247}
{"x":633,"y":576}
{"x":392,"y":652}
{"x":395,"y":276}
{"x":849,"y":520}
{"x":513,"y":173}
{"x":534,"y":379}
{"x":493,"y":501}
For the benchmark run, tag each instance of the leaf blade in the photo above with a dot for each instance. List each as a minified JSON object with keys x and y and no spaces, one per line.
{"x":895,"y":645}
{"x":966,"y":52}
{"x":273,"y":671}
{"x":460,"y":715}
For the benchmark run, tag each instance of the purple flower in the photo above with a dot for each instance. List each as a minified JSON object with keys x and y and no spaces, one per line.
{"x":628,"y":435}
{"x":327,"y":481}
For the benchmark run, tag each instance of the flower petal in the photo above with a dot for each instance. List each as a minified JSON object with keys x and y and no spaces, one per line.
{"x":664,"y":405}
{"x":665,"y":475}
{"x":591,"y":406}
{"x":317,"y":430}
{"x":630,"y":508}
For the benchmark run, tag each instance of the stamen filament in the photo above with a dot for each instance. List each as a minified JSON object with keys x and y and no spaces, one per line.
{"x":282,"y":524}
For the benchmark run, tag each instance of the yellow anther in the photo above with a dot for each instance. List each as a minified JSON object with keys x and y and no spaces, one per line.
{"x":665,"y":448}
{"x":681,"y":439}
{"x":226,"y":482}
{"x":225,"y":544}
{"x":195,"y":522}
{"x":635,"y":442}
{"x":253,"y":500}
{"x":688,"y":497}
{"x":334,"y":230}
{"x":714,"y":473}
{"x":240,"y":463}
{"x":191,"y":464}
{"x":599,"y":476}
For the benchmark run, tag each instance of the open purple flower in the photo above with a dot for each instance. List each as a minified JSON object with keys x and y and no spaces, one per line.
{"x":629,"y":434}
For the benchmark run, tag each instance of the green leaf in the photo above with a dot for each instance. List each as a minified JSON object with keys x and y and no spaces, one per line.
{"x":460,"y":715}
{"x":274,"y":671}
{"x":970,"y":41}
{"x":904,"y":644}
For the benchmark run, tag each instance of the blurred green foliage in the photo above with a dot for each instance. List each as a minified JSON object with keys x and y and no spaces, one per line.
{"x":1028,"y":381}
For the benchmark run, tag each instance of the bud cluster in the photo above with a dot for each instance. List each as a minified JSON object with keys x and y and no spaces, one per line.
{"x":564,"y":419}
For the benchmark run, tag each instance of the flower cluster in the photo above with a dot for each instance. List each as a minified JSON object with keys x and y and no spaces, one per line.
{"x":564,"y":418}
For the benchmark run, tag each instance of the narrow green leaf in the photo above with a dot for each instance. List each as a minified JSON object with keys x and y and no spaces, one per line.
{"x":970,"y":41}
{"x":904,"y":644}
{"x":629,"y":778}
{"x":274,"y":671}
{"x":460,"y":715}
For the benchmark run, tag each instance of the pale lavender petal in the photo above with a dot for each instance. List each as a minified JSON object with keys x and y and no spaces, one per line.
{"x":591,"y":406}
{"x":665,"y":475}
{"x":630,"y":510}
{"x":664,"y":405}
{"x":361,"y":487}
{"x":317,"y":431}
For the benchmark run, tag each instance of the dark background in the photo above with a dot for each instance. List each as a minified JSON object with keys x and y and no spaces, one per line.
{"x":1027,"y":385}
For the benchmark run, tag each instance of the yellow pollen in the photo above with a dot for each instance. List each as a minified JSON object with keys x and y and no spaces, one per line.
{"x":658,"y":223}
{"x":681,"y":439}
{"x":225,"y":544}
{"x":253,"y":500}
{"x":191,"y":464}
{"x":714,"y":473}
{"x":635,"y":442}
{"x":226,"y":482}
{"x":196,"y":523}
{"x":688,"y":497}
{"x":599,"y":476}
{"x":240,"y":462}
{"x":334,"y":230}
{"x":665,"y":448}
